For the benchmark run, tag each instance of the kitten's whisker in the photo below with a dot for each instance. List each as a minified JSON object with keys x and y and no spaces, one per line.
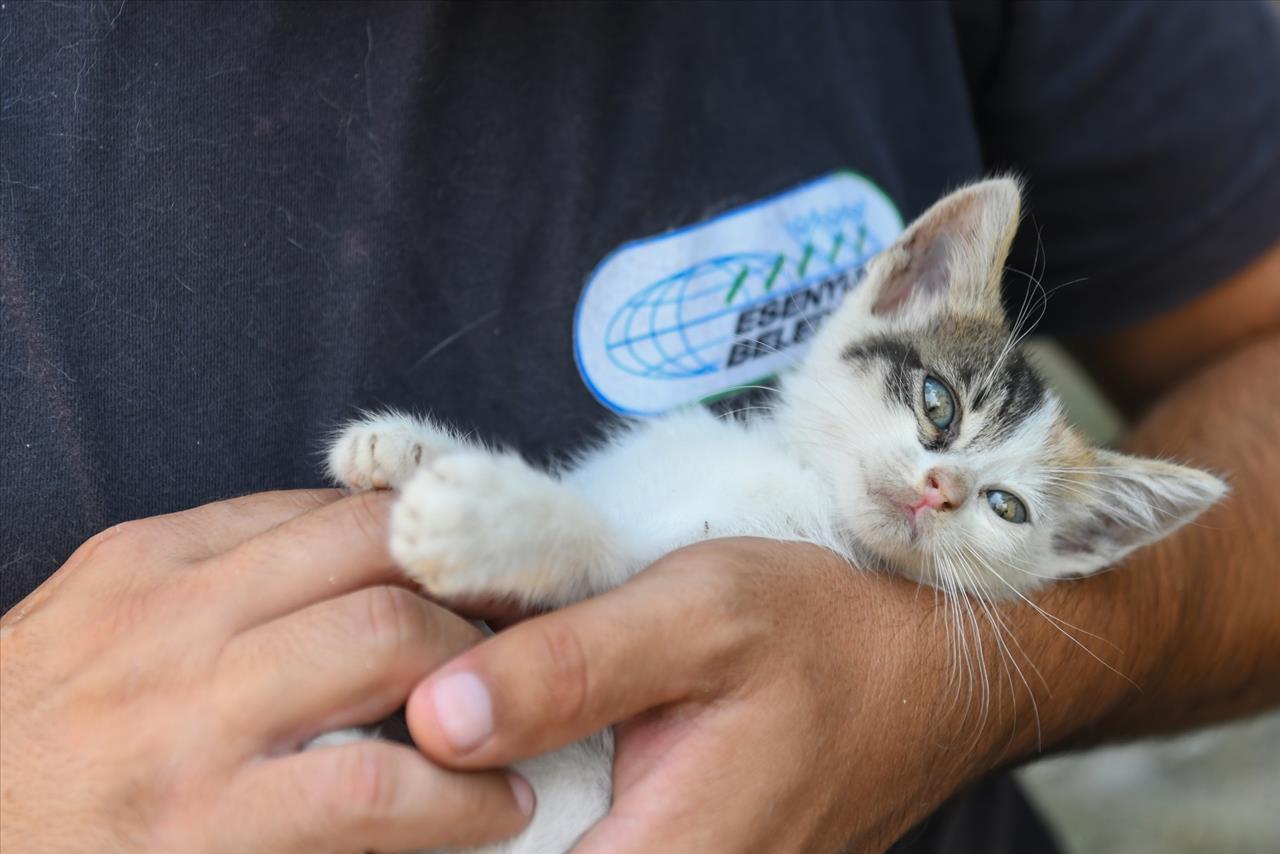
{"x":979,"y":662}
{"x":975,"y":596}
{"x":1058,"y":624}
{"x":998,"y":623}
{"x":1057,"y":621}
{"x":963,"y":616}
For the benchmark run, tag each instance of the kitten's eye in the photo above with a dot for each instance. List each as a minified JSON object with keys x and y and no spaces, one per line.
{"x":939,"y":407}
{"x":1008,"y":507}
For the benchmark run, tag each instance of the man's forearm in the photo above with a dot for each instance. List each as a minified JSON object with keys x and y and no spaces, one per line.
{"x":1189,"y":625}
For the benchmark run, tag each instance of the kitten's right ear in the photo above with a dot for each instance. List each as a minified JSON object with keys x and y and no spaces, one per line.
{"x":953,"y":255}
{"x":1128,"y":502}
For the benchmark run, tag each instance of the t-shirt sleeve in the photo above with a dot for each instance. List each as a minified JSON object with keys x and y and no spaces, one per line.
{"x":1149,"y":136}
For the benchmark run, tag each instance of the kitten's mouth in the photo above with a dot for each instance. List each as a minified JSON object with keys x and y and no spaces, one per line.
{"x":913,"y":514}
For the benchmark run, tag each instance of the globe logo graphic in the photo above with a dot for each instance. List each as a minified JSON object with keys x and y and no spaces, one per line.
{"x":679,"y":326}
{"x":666,"y":330}
{"x":702,"y":311}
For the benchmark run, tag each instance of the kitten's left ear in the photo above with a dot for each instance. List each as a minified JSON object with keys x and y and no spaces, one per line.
{"x":953,"y":254}
{"x":1131,"y":502}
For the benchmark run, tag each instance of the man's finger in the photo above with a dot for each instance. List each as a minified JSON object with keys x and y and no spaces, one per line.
{"x":369,"y":795}
{"x":339,"y":663}
{"x":318,"y":555}
{"x":214,"y":528}
{"x":183,"y":537}
{"x":554,"y":679}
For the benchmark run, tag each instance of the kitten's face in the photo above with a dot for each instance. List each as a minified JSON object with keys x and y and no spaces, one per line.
{"x":948,"y":457}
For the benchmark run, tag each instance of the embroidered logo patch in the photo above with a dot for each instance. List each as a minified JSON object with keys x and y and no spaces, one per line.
{"x":700,"y":312}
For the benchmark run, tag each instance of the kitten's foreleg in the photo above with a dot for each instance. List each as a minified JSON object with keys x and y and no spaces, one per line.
{"x":480,"y":523}
{"x":383,"y":450}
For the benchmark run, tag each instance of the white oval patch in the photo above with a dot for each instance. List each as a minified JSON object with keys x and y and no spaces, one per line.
{"x":702,"y":311}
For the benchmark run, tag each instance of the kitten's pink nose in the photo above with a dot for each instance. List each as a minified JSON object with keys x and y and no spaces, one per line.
{"x":943,"y":490}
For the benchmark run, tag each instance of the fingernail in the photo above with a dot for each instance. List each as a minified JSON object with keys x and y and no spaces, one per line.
{"x":463,"y":709}
{"x":522,"y":792}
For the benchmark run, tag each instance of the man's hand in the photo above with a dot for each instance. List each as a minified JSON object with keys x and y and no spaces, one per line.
{"x":778,"y":701}
{"x":774,"y":700}
{"x":156,"y":689}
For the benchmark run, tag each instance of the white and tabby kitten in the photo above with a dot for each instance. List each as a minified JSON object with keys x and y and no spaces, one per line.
{"x":915,"y":437}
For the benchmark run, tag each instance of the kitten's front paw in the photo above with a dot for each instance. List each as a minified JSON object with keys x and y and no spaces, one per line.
{"x":383,"y":451}
{"x":474,"y":523}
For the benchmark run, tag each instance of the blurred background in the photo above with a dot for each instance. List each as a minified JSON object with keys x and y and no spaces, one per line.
{"x":1214,"y":790}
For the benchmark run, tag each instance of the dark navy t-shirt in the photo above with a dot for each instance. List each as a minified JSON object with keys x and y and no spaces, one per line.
{"x":225,"y":227}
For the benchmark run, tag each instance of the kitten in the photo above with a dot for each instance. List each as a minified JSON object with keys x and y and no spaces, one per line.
{"x":915,"y":437}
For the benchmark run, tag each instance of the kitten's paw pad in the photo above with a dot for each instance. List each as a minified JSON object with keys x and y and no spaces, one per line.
{"x":383,"y":452}
{"x":467,"y":524}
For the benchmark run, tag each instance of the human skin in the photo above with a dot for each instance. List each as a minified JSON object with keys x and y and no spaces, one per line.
{"x":156,"y":687}
{"x":772,"y":700}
